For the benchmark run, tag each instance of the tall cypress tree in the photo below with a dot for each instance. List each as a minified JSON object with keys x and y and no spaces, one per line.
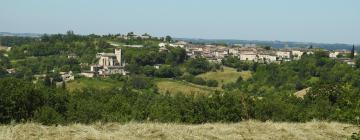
{"x":352,"y":55}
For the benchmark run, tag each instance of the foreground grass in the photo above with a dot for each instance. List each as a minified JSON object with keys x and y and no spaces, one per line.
{"x":174,"y":86}
{"x":83,"y":83}
{"x":132,"y":131}
{"x":227,"y":76}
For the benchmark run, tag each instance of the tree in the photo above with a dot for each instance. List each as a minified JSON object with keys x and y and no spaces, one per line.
{"x":168,"y":72}
{"x":352,"y":55}
{"x":18,"y":100}
{"x":168,"y":38}
{"x":198,"y":65}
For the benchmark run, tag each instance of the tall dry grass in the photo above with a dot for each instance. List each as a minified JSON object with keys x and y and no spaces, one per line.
{"x":154,"y":131}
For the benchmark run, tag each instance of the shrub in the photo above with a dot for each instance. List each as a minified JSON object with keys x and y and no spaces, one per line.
{"x":199,"y":81}
{"x":355,"y":136}
{"x":212,"y":83}
{"x":47,"y":116}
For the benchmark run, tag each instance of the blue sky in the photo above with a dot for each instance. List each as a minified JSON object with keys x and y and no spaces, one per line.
{"x":328,"y":21}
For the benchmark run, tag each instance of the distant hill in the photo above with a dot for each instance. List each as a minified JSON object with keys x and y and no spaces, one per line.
{"x":20,"y":34}
{"x":274,"y":44}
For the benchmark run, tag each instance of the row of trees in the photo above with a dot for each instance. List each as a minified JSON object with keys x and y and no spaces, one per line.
{"x":139,"y":101}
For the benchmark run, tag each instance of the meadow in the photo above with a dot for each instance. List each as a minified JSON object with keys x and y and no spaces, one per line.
{"x":174,"y":86}
{"x":167,"y":131}
{"x":226,"y":76}
{"x":82,"y":83}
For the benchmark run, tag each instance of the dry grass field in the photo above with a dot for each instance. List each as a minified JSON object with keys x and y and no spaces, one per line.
{"x":79,"y":84}
{"x":227,"y":76}
{"x":186,"y":88}
{"x":154,"y":131}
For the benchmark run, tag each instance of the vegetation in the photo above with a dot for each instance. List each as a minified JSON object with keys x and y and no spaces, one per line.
{"x":85,"y":83}
{"x":225,"y":76}
{"x":169,"y":131}
{"x":181,"y":90}
{"x":174,"y":87}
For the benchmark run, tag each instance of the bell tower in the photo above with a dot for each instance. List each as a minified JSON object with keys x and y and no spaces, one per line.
{"x":118,"y":56}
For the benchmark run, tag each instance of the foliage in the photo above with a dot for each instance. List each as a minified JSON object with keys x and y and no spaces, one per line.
{"x":198,"y":65}
{"x":47,"y":116}
{"x":168,"y":72}
{"x":212,"y":83}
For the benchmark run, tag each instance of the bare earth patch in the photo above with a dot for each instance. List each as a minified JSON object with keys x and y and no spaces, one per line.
{"x":142,"y":131}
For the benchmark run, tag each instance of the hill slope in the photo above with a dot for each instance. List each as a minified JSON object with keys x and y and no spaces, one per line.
{"x":243,"y":130}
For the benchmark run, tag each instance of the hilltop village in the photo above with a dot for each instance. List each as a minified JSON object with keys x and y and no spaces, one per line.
{"x":89,"y":78}
{"x":110,"y":63}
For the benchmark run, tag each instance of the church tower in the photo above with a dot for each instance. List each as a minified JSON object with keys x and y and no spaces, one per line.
{"x":118,"y":56}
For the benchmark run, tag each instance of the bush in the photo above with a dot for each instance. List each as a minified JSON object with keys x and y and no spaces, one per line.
{"x":168,"y":72}
{"x":47,"y":116}
{"x":199,"y":81}
{"x":141,"y":82}
{"x":198,"y":66}
{"x":212,"y":83}
{"x":355,"y":136}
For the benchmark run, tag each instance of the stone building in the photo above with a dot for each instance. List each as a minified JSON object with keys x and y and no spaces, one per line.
{"x":109,"y":63}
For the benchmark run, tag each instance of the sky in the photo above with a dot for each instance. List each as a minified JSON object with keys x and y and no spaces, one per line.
{"x":322,"y":21}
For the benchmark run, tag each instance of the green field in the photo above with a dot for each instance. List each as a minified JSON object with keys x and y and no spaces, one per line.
{"x":227,"y":76}
{"x":82,"y":83}
{"x":187,"y":88}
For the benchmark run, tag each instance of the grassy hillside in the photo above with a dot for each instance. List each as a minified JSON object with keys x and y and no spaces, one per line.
{"x":227,"y":76}
{"x":92,"y":83}
{"x":174,"y":87}
{"x":133,"y":131}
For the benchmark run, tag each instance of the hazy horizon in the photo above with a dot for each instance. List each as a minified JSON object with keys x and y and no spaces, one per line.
{"x":322,"y":21}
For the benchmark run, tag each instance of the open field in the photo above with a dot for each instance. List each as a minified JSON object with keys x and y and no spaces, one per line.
{"x":133,"y":131}
{"x":187,"y":88}
{"x":82,"y":83}
{"x":227,"y":76}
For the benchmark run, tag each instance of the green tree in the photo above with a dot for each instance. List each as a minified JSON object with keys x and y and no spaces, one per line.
{"x":168,"y":38}
{"x":198,"y":65}
{"x":352,"y":54}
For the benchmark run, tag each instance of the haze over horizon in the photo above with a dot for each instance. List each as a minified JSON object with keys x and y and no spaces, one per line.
{"x":325,"y":21}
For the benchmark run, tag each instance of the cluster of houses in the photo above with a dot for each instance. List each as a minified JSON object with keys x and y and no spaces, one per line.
{"x":343,"y":55}
{"x":251,"y":52}
{"x":247,"y":52}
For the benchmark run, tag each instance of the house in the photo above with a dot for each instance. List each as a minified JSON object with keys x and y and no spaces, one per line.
{"x":347,"y":61}
{"x":248,"y":57}
{"x":134,"y":46}
{"x":161,"y":45}
{"x":234,"y":51}
{"x":157,"y":66}
{"x":145,"y":36}
{"x":267,"y":58}
{"x":72,"y":55}
{"x":88,"y":74}
{"x":283,"y":55}
{"x":296,"y":54}
{"x":340,"y":53}
{"x":11,"y":71}
{"x":68,"y":77}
